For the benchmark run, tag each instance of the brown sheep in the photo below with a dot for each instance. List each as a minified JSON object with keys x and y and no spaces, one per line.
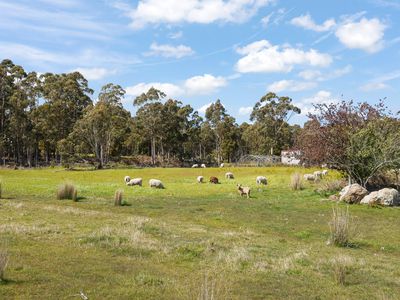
{"x":214,"y":180}
{"x":244,"y":190}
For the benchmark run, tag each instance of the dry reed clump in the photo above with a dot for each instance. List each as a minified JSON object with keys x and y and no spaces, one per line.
{"x":118,"y":197}
{"x":3,"y":263}
{"x":342,"y":227}
{"x":296,"y":182}
{"x":341,"y":266}
{"x":67,"y":191}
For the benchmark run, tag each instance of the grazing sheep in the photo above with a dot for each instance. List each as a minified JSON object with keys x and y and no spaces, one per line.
{"x":221,"y":165}
{"x":155,"y":183}
{"x":324,"y":172}
{"x":244,"y":190}
{"x":203,"y":166}
{"x":135,"y":181}
{"x":229,"y":175}
{"x":309,"y":177}
{"x":127,"y":179}
{"x":195,"y":166}
{"x":318,"y":174}
{"x":200,"y":179}
{"x":214,"y":180}
{"x":261,"y":180}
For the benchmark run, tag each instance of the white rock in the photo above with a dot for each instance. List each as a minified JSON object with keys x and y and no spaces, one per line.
{"x":353,"y":193}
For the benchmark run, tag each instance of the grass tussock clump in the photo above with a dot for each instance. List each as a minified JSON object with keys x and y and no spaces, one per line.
{"x":118,"y":196}
{"x":341,"y":267}
{"x":342,"y":227}
{"x":296,"y":182}
{"x":3,"y":263}
{"x":67,"y":191}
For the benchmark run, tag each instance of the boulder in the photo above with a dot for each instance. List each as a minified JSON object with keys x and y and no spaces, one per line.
{"x":353,"y":193}
{"x":385,"y":197}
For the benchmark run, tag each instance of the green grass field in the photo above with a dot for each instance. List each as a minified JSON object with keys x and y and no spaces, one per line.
{"x":188,"y":241}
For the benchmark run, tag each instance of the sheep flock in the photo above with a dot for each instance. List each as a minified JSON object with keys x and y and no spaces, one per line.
{"x":243,"y":190}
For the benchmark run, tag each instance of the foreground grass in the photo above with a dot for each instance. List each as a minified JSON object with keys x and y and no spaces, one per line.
{"x":188,"y":241}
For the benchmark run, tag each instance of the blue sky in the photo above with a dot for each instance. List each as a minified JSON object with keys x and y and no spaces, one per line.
{"x":202,"y":50}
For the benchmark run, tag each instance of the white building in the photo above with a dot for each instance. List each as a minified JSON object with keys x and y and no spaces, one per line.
{"x":291,"y":157}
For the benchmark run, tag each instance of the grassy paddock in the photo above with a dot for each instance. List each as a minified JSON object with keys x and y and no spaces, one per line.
{"x":189,"y":240}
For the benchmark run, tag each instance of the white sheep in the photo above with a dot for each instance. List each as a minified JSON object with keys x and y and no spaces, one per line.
{"x":200,"y":179}
{"x":203,"y":165}
{"x":135,"y":181}
{"x":318,"y":174}
{"x":195,"y":166}
{"x":156,"y":183}
{"x":324,"y":172}
{"x":261,"y":180}
{"x":127,"y":179}
{"x":229,"y":175}
{"x":221,"y":165}
{"x":309,"y":177}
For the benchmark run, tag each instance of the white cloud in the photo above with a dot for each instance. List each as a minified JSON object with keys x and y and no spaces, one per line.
{"x":379,"y":83}
{"x":374,"y":86}
{"x":196,"y":85}
{"x":202,"y":110}
{"x":322,"y":97}
{"x":175,"y":35}
{"x":94,"y":73}
{"x":245,"y":111}
{"x":291,"y":86}
{"x":169,"y":50}
{"x":261,"y":56}
{"x":170,"y":89}
{"x":204,"y":84}
{"x":366,"y":34}
{"x":319,"y":76}
{"x":193,"y":11}
{"x":305,"y":21}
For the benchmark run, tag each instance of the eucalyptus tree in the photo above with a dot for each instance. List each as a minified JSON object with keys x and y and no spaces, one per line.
{"x":103,"y":126}
{"x":65,"y":98}
{"x":271,"y":114}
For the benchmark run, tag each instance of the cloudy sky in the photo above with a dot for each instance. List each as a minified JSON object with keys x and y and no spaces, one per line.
{"x":200,"y":50}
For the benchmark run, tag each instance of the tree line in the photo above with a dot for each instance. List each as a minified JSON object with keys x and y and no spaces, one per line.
{"x":53,"y":119}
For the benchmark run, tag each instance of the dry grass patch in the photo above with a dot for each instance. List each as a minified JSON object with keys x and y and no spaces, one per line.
{"x":3,"y":263}
{"x":341,"y":266}
{"x":67,"y":191}
{"x":118,"y":197}
{"x":296,"y":182}
{"x":126,"y":234}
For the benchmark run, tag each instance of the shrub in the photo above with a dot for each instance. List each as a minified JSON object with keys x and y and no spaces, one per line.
{"x":296,"y":182}
{"x":341,"y":227}
{"x":118,"y":197}
{"x":3,"y":263}
{"x":67,"y":191}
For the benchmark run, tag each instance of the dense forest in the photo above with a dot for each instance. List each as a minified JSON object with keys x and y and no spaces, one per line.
{"x":53,"y":119}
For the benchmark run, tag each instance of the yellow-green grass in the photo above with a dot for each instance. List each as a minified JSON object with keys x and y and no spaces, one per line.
{"x":189,"y":239}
